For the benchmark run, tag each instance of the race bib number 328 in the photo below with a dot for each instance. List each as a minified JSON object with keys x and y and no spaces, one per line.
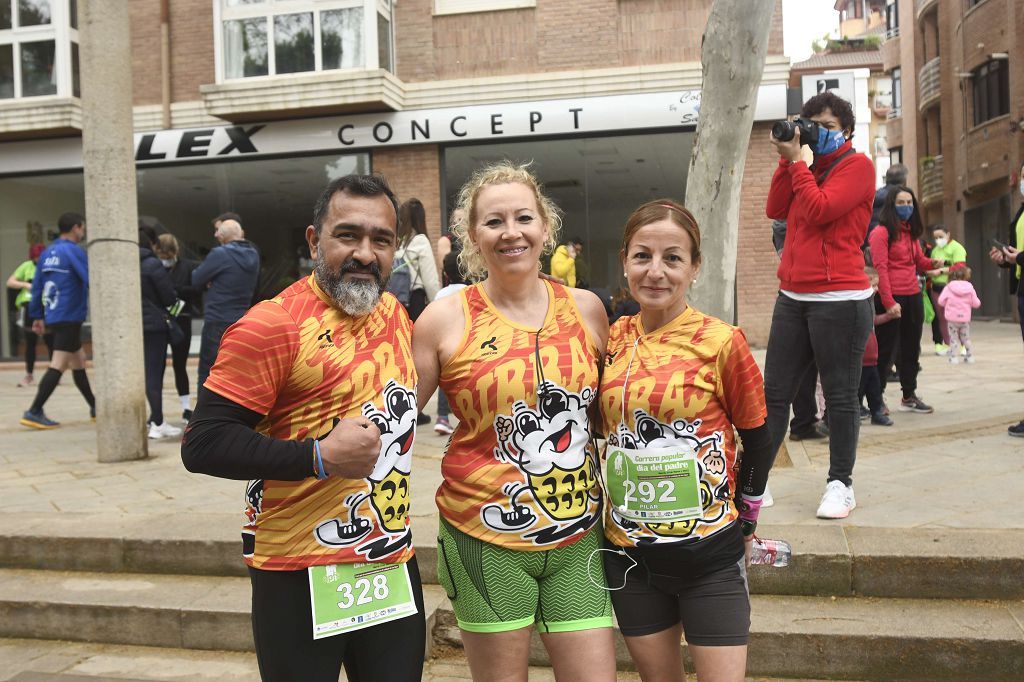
{"x":347,"y":597}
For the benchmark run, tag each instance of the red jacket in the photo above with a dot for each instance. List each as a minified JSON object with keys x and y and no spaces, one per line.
{"x":871,"y":348}
{"x":897,"y":263}
{"x":825,"y":226}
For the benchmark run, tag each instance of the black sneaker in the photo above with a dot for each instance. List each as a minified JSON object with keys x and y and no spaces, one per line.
{"x":422,"y":419}
{"x":817,"y":432}
{"x":1017,"y":430}
{"x":187,"y":416}
{"x":915,"y":404}
{"x":864,"y":413}
{"x":879,"y":419}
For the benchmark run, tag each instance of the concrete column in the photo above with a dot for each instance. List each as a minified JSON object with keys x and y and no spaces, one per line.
{"x":111,"y":216}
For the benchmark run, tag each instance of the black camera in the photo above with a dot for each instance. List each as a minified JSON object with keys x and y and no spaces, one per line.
{"x":783,"y":131}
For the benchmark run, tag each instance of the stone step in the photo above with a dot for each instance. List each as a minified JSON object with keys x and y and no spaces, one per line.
{"x":828,"y":559}
{"x":859,"y":638}
{"x":172,"y":611}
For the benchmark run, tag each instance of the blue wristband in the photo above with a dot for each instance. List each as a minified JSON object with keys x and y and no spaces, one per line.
{"x":319,"y":469}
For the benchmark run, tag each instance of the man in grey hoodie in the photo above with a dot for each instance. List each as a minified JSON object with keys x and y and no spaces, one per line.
{"x":228,"y":275}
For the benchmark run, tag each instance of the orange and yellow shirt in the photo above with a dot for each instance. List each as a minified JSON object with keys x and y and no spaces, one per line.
{"x":306,"y":365}
{"x":690,"y":381}
{"x":520,"y":471}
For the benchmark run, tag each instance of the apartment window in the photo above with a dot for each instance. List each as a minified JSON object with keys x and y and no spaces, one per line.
{"x":991,"y":91}
{"x":469,"y":6}
{"x":892,"y":19}
{"x":276,"y":37}
{"x":38,"y":48}
{"x":897,"y":90}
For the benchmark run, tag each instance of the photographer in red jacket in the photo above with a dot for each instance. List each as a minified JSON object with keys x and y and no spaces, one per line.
{"x":823,"y":313}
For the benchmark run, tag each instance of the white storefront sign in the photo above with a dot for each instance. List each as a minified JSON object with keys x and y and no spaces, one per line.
{"x":366,"y":131}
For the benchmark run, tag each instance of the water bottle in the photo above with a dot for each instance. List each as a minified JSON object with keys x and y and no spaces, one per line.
{"x":767,"y":552}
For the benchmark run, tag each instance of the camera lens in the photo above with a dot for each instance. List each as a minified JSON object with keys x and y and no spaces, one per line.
{"x":783,"y":131}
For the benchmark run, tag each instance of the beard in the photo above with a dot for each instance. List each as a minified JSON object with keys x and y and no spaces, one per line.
{"x":355,"y":297}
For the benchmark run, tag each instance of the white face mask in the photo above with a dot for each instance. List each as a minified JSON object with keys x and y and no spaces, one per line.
{"x":941,"y":241}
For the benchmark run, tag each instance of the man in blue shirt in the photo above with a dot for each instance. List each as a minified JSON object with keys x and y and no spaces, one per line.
{"x":229,"y":276}
{"x":59,"y":304}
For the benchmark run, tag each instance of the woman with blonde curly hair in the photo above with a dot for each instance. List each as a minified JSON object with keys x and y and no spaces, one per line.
{"x":518,"y":358}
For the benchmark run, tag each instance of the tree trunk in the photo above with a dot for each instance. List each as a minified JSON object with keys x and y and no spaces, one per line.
{"x":112,"y":223}
{"x":733,"y":52}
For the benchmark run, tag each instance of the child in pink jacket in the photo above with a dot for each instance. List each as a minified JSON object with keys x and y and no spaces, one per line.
{"x":957,"y":300}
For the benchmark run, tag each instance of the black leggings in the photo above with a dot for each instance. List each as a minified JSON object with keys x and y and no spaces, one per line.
{"x":31,"y":340}
{"x":179,"y":356}
{"x":904,"y":334}
{"x":154,"y":351}
{"x":282,"y":627}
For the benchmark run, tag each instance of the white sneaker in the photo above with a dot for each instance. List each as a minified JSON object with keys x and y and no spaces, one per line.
{"x":767,"y":500}
{"x":954,"y":360}
{"x":837,"y":502}
{"x":164,"y":430}
{"x":969,"y":359}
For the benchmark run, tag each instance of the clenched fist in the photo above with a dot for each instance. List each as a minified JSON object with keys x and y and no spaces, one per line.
{"x":351,"y":449}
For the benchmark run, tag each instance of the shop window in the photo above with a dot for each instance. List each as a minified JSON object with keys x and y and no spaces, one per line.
{"x":38,"y":48}
{"x":276,"y":37}
{"x":991,"y":91}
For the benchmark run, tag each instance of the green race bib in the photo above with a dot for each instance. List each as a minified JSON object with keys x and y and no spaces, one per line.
{"x":347,"y":597}
{"x":653,"y":485}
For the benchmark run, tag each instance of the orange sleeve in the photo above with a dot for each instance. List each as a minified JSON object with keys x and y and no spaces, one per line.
{"x":256,"y":357}
{"x":742,"y":384}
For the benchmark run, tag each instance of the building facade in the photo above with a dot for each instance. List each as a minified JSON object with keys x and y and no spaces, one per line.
{"x":957,"y":68}
{"x":254,"y":105}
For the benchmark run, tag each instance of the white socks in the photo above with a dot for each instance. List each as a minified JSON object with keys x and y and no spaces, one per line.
{"x":186,"y":402}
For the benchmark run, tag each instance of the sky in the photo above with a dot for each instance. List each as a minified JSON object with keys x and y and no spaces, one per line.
{"x":804,"y":21}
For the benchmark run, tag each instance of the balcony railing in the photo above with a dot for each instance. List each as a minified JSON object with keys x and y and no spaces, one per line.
{"x":893,"y":32}
{"x":895,"y":112}
{"x":928,"y":85}
{"x":931,"y":179}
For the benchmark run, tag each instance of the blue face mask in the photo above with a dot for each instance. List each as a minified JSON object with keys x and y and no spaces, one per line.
{"x":829,"y":141}
{"x":904,"y":212}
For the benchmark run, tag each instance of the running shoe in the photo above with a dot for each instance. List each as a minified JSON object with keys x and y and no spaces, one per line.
{"x":422,"y":419}
{"x":27,"y":380}
{"x":38,"y":420}
{"x":864,"y":413}
{"x":954,"y":360}
{"x":969,"y":359}
{"x":837,"y":502}
{"x":1017,"y":430}
{"x":915,"y":404}
{"x":92,"y":412}
{"x":442,"y":427}
{"x":164,"y":430}
{"x":941,"y":349}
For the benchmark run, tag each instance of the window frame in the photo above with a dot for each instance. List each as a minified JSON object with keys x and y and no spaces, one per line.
{"x":897,"y":89}
{"x":59,"y":31}
{"x":268,"y":9}
{"x":447,"y":7}
{"x":990,"y":88}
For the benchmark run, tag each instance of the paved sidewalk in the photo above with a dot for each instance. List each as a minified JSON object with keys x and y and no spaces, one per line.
{"x":949,"y":469}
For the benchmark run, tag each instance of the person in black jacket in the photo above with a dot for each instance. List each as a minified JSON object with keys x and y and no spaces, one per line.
{"x":180,"y":269}
{"x":157,"y":295}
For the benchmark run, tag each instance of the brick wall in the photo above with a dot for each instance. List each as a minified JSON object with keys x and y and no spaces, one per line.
{"x":577,"y":35}
{"x":482,"y":44}
{"x":414,"y":172}
{"x":756,"y":263}
{"x":192,"y":53}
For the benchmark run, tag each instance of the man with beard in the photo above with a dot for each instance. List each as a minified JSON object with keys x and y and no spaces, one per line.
{"x":312,"y":400}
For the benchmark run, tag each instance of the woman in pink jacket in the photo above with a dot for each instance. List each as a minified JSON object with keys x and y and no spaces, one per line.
{"x":898,"y":258}
{"x":957,"y":300}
